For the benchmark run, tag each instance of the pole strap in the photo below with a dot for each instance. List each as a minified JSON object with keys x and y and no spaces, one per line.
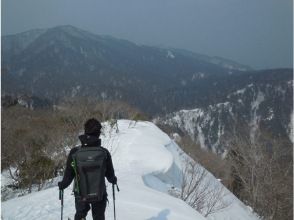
{"x":117,"y":187}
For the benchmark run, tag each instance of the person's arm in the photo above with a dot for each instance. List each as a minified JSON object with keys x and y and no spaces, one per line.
{"x":69,"y":173}
{"x":109,"y":170}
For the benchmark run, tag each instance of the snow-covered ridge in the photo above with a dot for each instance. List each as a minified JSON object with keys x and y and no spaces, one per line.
{"x":147,"y":162}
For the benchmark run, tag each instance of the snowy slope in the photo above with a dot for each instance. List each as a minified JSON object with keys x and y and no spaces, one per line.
{"x":146,"y":162}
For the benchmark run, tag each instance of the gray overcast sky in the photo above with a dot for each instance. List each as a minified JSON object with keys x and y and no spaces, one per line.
{"x":258,"y":33}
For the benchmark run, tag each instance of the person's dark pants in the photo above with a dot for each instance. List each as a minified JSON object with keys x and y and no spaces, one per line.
{"x":98,"y":209}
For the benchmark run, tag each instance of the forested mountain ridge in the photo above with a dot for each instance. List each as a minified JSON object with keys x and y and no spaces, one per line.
{"x":263,"y":105}
{"x":66,"y":61}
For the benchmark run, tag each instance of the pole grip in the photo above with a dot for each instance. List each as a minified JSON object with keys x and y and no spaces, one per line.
{"x":61,"y":196}
{"x":113,"y":192}
{"x":61,"y":199}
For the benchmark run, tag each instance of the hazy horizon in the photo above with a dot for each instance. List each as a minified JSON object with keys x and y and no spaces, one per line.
{"x":258,"y":34}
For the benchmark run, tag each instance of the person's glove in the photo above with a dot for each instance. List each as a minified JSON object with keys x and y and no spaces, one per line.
{"x":60,"y":186}
{"x":114,"y":180}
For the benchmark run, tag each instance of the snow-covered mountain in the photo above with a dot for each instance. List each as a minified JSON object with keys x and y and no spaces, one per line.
{"x":257,"y":106}
{"x":147,"y":163}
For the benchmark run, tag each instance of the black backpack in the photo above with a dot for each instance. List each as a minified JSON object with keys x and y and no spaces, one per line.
{"x":89,"y":164}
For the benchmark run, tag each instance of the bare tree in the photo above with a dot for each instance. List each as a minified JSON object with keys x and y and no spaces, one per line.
{"x":200,"y":191}
{"x":263,"y":175}
{"x":208,"y":159}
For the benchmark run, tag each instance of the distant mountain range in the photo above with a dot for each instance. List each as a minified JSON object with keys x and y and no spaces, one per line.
{"x":68,"y":62}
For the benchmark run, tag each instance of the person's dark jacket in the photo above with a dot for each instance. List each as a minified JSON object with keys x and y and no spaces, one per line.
{"x":87,"y":141}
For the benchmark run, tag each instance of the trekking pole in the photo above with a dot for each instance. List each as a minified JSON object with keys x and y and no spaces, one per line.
{"x":61,"y":198}
{"x":113,"y":194}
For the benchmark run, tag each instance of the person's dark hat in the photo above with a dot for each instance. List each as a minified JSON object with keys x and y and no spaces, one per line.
{"x":92,"y":127}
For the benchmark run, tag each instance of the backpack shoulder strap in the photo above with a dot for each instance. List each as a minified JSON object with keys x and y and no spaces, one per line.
{"x":106,"y":151}
{"x":76,"y":150}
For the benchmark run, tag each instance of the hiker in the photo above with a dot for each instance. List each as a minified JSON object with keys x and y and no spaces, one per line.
{"x":90,"y":141}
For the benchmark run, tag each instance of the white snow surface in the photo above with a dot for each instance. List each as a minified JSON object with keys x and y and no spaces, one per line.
{"x":170,"y":55}
{"x":254,"y":124}
{"x":147,"y":163}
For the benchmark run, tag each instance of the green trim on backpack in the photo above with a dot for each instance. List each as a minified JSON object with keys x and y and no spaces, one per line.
{"x":76,"y":184}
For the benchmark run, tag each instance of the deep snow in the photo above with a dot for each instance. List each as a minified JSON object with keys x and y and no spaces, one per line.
{"x":147,"y":162}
